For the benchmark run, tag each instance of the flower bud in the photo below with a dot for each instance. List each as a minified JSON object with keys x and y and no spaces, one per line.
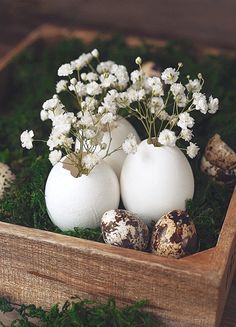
{"x":138,"y":61}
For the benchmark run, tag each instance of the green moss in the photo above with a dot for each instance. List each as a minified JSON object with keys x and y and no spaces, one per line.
{"x":77,"y":313}
{"x":34,"y":79}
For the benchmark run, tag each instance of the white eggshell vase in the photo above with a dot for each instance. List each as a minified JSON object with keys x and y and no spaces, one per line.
{"x":156,"y":180}
{"x":80,"y":201}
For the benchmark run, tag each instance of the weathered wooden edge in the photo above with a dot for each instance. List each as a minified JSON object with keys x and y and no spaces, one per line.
{"x":46,"y":268}
{"x":87,"y":35}
{"x":210,"y":260}
{"x":224,"y":256}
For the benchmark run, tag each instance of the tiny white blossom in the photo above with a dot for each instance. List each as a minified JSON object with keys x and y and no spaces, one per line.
{"x":93,"y":88}
{"x":130,"y":144}
{"x":163,"y":115}
{"x":156,"y":105}
{"x":213,"y":105}
{"x":44,"y":115}
{"x":62,"y":123}
{"x":185,"y":120}
{"x":170,"y":75}
{"x":95,"y":53}
{"x":87,"y":119}
{"x":138,"y":61}
{"x":181,"y":100}
{"x":194,"y":86}
{"x":177,"y":88}
{"x":90,"y":77}
{"x":192,"y":150}
{"x":61,"y":85}
{"x":136,"y":76}
{"x":73,"y":81}
{"x":82,"y":61}
{"x":65,"y":70}
{"x":186,"y":134}
{"x":167,"y":137}
{"x":51,"y":104}
{"x":105,"y":66}
{"x":107,"y":80}
{"x":199,"y":100}
{"x":55,"y":156}
{"x":90,"y":160}
{"x":27,"y":139}
{"x":107,"y":118}
{"x":156,"y":85}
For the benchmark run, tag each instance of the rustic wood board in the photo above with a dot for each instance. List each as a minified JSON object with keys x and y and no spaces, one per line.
{"x":44,"y":268}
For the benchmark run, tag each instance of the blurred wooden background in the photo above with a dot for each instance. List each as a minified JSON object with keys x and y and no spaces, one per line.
{"x":208,"y":23}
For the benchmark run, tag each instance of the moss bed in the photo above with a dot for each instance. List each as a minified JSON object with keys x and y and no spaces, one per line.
{"x":32,"y":81}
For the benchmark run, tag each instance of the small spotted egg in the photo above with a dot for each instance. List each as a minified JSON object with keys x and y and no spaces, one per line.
{"x":123,"y":228}
{"x":174,"y":235}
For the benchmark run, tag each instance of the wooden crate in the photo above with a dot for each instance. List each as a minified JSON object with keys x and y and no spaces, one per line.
{"x":45,"y":268}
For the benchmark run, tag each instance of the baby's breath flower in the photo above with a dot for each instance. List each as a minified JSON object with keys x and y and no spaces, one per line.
{"x":93,"y":88}
{"x":105,"y":67}
{"x":213,"y":105}
{"x":156,"y":86}
{"x":170,"y":75}
{"x":138,"y":61}
{"x":167,"y":137}
{"x":95,"y":53}
{"x":186,"y":134}
{"x":44,"y":115}
{"x":82,"y":61}
{"x":200,"y":102}
{"x":136,"y":76}
{"x":108,"y":118}
{"x":61,"y":86}
{"x":90,"y":160}
{"x":177,"y":88}
{"x":181,"y":100}
{"x":194,"y":86}
{"x":65,"y":70}
{"x":130,"y":144}
{"x":55,"y":156}
{"x":192,"y":150}
{"x":27,"y":139}
{"x":156,"y":105}
{"x":185,"y":120}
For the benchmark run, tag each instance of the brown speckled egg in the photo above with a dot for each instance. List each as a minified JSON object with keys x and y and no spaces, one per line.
{"x":219,"y":161}
{"x":123,"y":228}
{"x":174,"y":235}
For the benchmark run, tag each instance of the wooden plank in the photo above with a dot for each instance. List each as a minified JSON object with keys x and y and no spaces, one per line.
{"x":45,"y":268}
{"x":210,"y":22}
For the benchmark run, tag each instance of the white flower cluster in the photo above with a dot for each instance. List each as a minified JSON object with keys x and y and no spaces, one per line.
{"x":163,"y":105}
{"x":80,"y":132}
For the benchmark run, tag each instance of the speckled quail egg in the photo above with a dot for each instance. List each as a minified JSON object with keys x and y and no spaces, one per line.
{"x":6,"y":178}
{"x":219,"y":161}
{"x":174,"y":235}
{"x":123,"y":228}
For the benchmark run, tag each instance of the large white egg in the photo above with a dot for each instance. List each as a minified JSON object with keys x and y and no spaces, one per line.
{"x":156,"y":180}
{"x":80,"y":201}
{"x":118,"y":133}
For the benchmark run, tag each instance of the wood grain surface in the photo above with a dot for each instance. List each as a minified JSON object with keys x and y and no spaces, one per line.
{"x":45,"y":268}
{"x":35,"y":271}
{"x":209,"y":22}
